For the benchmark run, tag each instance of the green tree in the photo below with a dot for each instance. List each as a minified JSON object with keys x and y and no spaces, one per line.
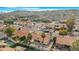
{"x":63,"y":31}
{"x":9,"y":31}
{"x":75,"y":46}
{"x":15,"y":38}
{"x":22,"y":38}
{"x":43,"y":36}
{"x":70,"y":24}
{"x":29,"y":37}
{"x":8,"y":22}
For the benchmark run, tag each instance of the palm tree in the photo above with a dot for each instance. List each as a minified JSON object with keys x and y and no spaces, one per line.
{"x":43,"y":36}
{"x":54,"y":41}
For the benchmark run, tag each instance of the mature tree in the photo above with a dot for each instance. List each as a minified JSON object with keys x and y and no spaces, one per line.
{"x":43,"y":36}
{"x":22,"y":38}
{"x":25,"y":40}
{"x":63,"y":31}
{"x":70,"y":24}
{"x":15,"y":38}
{"x":8,"y":22}
{"x":75,"y":46}
{"x":9,"y":31}
{"x":29,"y":37}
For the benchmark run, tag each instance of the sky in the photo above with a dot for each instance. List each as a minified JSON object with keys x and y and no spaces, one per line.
{"x":10,"y":9}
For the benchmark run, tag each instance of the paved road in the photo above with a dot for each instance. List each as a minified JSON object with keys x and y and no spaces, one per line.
{"x":9,"y":41}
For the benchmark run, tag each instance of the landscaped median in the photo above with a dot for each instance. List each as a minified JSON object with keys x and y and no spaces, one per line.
{"x":27,"y":47}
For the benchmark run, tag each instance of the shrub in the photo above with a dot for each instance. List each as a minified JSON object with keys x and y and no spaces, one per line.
{"x":63,"y":32}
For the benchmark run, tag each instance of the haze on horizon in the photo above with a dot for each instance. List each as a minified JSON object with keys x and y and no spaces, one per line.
{"x":10,"y":9}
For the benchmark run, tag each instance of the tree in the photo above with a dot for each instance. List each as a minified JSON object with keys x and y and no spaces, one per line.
{"x":15,"y":38}
{"x":75,"y":46}
{"x":8,"y":22}
{"x":25,"y":40}
{"x":63,"y":31}
{"x":43,"y":36}
{"x":70,"y":24}
{"x":22,"y":38}
{"x":29,"y":37}
{"x":9,"y":31}
{"x":54,"y":41}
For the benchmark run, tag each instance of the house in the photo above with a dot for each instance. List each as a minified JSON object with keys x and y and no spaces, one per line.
{"x":64,"y":41}
{"x":53,"y":24}
{"x":21,"y":32}
{"x":19,"y":23}
{"x":58,"y":26}
{"x":45,"y":30}
{"x":2,"y":44}
{"x":7,"y":49}
{"x":21,"y":18}
{"x":19,"y":48}
{"x":39,"y":43}
{"x":1,"y":21}
{"x":77,"y":21}
{"x":2,"y":27}
{"x":76,"y":28}
{"x":2,"y":35}
{"x":75,"y":31}
{"x":4,"y":47}
{"x":22,"y":23}
{"x":62,"y":21}
{"x":37,"y":37}
{"x":38,"y":26}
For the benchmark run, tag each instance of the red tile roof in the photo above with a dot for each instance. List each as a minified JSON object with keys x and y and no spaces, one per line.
{"x":7,"y":49}
{"x":36,"y":36}
{"x":65,"y":40}
{"x":22,"y":33}
{"x":2,"y":26}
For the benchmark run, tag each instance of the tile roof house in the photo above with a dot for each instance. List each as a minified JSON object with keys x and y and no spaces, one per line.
{"x":21,"y":32}
{"x":58,"y":26}
{"x":4,"y":47}
{"x":2,"y":35}
{"x":65,"y":40}
{"x":7,"y":49}
{"x":38,"y":26}
{"x":76,"y":28}
{"x":2,"y":26}
{"x":37,"y":37}
{"x":22,"y":22}
{"x":2,"y":44}
{"x":77,"y":21}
